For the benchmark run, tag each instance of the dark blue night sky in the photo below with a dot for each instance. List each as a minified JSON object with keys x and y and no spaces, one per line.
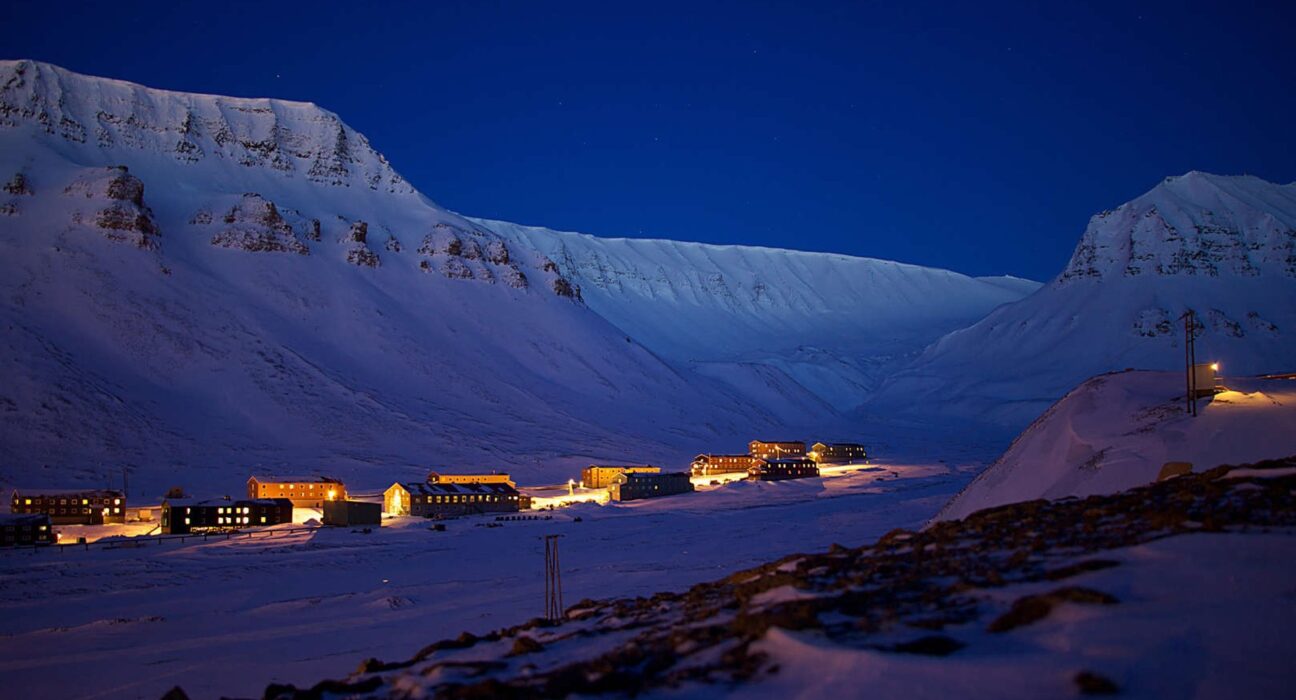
{"x":961,"y":135}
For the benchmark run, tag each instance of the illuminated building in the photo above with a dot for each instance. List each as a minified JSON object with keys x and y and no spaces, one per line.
{"x":25,"y":529}
{"x":597,"y":476}
{"x":303,"y":491}
{"x":630,"y":486}
{"x":427,"y":500}
{"x":837,"y":453}
{"x":780,"y":469}
{"x":71,"y":506}
{"x":187,"y":515}
{"x":708,"y":465}
{"x":776,"y":449}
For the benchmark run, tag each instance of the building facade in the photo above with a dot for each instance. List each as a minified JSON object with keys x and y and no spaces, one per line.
{"x":631,"y":486}
{"x":422,"y":499}
{"x":708,"y":465}
{"x":837,"y":453}
{"x":443,"y":478}
{"x":303,"y":491}
{"x":351,"y":513}
{"x":18,"y":530}
{"x":780,"y":469}
{"x":776,"y":449}
{"x":598,"y":476}
{"x":71,"y":506}
{"x":183,"y":516}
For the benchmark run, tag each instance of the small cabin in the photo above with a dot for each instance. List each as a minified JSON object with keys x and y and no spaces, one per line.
{"x":837,"y":453}
{"x":631,"y":486}
{"x":776,"y":449}
{"x":709,"y":464}
{"x":303,"y":491}
{"x":71,"y":506}
{"x":598,"y":476}
{"x":782,"y":469}
{"x":352,"y":513}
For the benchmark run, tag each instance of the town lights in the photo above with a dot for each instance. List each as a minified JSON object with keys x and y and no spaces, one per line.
{"x":332,"y":495}
{"x":1214,"y":366}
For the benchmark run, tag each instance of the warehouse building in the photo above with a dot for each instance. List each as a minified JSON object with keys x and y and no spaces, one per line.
{"x":352,"y":513}
{"x":492,"y":478}
{"x":631,"y":486}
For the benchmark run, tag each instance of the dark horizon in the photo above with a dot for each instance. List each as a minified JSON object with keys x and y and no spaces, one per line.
{"x":978,"y":140}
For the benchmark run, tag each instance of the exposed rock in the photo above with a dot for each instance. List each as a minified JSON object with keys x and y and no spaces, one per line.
{"x":1033,"y":608}
{"x":313,"y":230}
{"x":359,"y":232}
{"x":392,"y":244}
{"x":1090,"y":683}
{"x":563,"y":288}
{"x":525,"y":645}
{"x":255,"y":225}
{"x":9,"y":209}
{"x":497,"y":252}
{"x":123,"y":217}
{"x":515,"y":278}
{"x":18,"y":185}
{"x":202,"y":217}
{"x":362,"y":256}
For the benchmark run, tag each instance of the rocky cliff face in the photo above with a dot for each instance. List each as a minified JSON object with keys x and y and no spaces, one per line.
{"x":1197,"y":224}
{"x":294,"y":139}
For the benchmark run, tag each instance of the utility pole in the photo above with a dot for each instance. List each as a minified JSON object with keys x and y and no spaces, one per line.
{"x":553,"y":580}
{"x":1190,"y":360}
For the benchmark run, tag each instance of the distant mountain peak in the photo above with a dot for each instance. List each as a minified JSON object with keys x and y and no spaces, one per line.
{"x":1197,"y":224}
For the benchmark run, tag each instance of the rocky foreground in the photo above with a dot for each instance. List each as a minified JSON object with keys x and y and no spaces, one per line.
{"x":929,"y":593}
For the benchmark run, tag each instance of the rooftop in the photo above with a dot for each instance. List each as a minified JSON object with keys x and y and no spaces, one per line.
{"x":66,"y":492}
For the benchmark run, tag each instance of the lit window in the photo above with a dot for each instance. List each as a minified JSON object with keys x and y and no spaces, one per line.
{"x":186,"y":521}
{"x":116,"y":501}
{"x":29,"y":501}
{"x":263,"y":520}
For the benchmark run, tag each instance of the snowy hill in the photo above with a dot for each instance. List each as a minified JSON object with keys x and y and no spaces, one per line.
{"x":1224,"y":247}
{"x":1115,"y":431}
{"x":196,"y":285}
{"x":815,"y":326}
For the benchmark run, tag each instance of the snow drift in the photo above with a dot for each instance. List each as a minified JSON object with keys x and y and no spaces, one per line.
{"x":1116,"y":431}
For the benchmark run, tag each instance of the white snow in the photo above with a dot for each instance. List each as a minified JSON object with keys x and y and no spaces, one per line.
{"x":228,"y":617}
{"x":1224,"y":247}
{"x":1116,"y":431}
{"x":1201,"y":616}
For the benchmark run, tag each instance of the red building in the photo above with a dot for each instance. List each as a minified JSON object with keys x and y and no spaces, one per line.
{"x":71,"y":506}
{"x":776,"y":449}
{"x":708,"y":465}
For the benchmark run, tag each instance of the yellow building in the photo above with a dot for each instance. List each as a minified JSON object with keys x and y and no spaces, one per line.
{"x":597,"y":476}
{"x":303,"y":491}
{"x":492,"y":478}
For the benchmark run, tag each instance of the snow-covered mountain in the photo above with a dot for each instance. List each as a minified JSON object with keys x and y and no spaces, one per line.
{"x":1115,"y":432}
{"x":197,"y":285}
{"x":1223,"y":247}
{"x":814,"y":327}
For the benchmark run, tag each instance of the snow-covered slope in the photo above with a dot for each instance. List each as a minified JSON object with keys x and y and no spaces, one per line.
{"x":257,"y":286}
{"x":1115,"y":431}
{"x":812,"y":326}
{"x":1224,"y":247}
{"x":192,"y":286}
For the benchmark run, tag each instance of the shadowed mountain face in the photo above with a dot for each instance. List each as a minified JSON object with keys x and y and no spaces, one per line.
{"x":197,"y":285}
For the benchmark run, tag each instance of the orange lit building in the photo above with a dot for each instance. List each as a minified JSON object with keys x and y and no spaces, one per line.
{"x":427,"y":500}
{"x":708,"y":465}
{"x":597,"y":476}
{"x":303,"y":491}
{"x":776,"y":449}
